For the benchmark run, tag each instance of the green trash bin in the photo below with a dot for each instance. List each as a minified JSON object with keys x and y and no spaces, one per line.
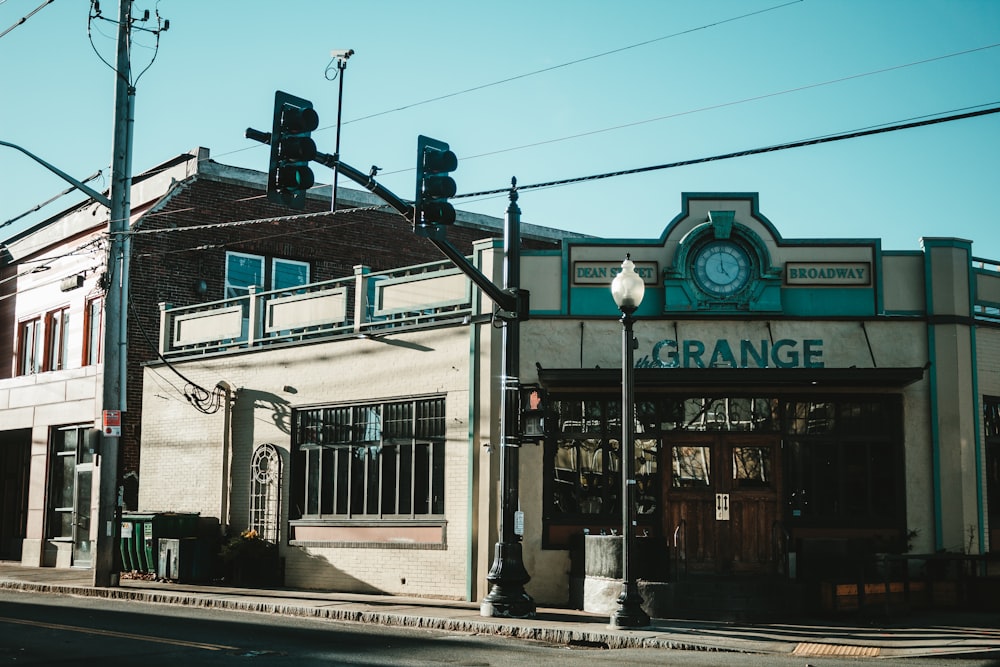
{"x":142,"y":531}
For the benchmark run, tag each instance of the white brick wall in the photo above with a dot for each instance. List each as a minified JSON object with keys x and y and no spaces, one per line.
{"x":183,"y":450}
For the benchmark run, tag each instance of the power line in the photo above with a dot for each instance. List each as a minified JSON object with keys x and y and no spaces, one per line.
{"x":752,"y":151}
{"x":567,"y":64}
{"x":722,"y":105}
{"x":23,"y":19}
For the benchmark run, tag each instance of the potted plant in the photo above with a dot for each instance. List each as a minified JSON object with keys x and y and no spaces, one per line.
{"x":250,"y":560}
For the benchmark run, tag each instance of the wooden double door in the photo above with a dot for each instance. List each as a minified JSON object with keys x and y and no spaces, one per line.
{"x":721,"y":501}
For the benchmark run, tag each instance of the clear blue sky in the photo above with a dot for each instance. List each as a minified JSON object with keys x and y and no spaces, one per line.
{"x":681,"y":79}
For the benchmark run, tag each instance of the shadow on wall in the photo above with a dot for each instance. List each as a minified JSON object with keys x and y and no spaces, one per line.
{"x":322,"y":575}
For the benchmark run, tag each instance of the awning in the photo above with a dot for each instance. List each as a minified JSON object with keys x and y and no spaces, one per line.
{"x":731,"y":380}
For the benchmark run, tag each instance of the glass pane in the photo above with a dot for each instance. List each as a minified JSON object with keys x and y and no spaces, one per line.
{"x":327,"y":486}
{"x":369,"y":424}
{"x":64,"y":471}
{"x":991,"y":416}
{"x":430,"y":419}
{"x":64,"y":440}
{"x":343,"y":479}
{"x":312,"y":482}
{"x":437,"y":479}
{"x":855,"y":476}
{"x":647,"y":476}
{"x":421,"y":478}
{"x":82,"y":542}
{"x":579,"y":416}
{"x":288,"y":274}
{"x":389,"y":458}
{"x":691,"y":466}
{"x":371,"y":457}
{"x":241,"y":272}
{"x":406,"y":479}
{"x":810,"y":418}
{"x":398,"y":420}
{"x":62,"y":524}
{"x":751,"y":467}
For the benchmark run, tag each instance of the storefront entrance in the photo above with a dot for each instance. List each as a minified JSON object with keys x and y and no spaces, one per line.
{"x":720,"y":501}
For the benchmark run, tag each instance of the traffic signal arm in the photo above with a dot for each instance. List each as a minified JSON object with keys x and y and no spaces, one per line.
{"x":514,"y":304}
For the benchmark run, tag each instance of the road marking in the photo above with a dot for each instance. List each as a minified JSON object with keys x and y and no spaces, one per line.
{"x":120,"y":635}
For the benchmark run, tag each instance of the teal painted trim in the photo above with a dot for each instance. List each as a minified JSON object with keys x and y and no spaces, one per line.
{"x":935,"y":440}
{"x":978,"y":408}
{"x":946,"y":242}
{"x":475,"y":342}
{"x":877,"y":274}
{"x":597,"y":301}
{"x":752,"y":197}
{"x":903,"y":313}
{"x":566,"y":279}
{"x":828,"y":301}
{"x":935,"y":416}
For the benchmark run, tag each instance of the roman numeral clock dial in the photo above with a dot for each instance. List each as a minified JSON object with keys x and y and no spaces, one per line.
{"x":721,"y":268}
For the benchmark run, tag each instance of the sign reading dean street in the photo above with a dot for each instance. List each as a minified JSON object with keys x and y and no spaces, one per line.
{"x":828,"y":273}
{"x":602,"y":273}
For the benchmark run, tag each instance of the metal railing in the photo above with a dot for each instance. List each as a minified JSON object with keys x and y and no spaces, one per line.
{"x":362,"y":305}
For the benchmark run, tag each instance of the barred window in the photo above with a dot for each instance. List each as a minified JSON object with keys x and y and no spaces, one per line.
{"x":373,"y":460}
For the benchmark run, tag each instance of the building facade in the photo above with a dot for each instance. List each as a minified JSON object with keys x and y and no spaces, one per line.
{"x":201,"y":231}
{"x":798,"y":402}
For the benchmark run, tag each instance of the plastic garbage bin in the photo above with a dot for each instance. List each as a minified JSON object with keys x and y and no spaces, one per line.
{"x":142,"y":531}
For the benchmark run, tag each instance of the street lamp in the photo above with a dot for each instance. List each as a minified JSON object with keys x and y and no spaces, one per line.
{"x":627,"y":289}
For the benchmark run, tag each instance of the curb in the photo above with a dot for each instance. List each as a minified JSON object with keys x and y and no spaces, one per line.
{"x":513,"y":628}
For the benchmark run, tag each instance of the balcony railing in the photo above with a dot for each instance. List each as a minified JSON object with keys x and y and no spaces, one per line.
{"x":367,"y":303}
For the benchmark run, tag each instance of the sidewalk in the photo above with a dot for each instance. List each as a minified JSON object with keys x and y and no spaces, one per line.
{"x":918,"y":634}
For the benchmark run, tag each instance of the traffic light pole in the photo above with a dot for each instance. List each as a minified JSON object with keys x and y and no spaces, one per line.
{"x":507,"y":576}
{"x":507,"y":597}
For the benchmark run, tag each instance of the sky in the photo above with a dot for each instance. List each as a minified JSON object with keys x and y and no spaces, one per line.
{"x":544,"y":91}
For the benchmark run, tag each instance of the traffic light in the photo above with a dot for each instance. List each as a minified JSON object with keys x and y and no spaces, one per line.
{"x":434,"y":185}
{"x":292,"y":147}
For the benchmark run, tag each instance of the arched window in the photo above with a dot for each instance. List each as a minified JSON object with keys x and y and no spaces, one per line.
{"x":265,"y":491}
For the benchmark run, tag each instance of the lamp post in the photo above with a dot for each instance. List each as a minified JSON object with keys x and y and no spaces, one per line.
{"x":341,"y":57}
{"x":627,"y":289}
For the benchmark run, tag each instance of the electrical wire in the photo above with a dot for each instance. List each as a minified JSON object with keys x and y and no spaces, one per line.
{"x":568,"y":64}
{"x":205,"y":401}
{"x":24,"y":19}
{"x":744,"y":153}
{"x":38,"y":207}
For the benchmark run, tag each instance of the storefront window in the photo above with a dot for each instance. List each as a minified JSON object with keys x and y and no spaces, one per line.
{"x":844,"y":466}
{"x":720,"y":414}
{"x":839,"y":462}
{"x":369,"y":461}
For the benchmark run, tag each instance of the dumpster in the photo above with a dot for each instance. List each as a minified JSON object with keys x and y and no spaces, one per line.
{"x":142,"y":531}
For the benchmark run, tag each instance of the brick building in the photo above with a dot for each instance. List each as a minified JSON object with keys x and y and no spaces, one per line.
{"x":202,"y":231}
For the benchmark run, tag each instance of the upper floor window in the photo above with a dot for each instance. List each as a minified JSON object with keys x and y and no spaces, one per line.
{"x":93,"y":331}
{"x":56,"y":339}
{"x":243,"y":270}
{"x":29,"y":346}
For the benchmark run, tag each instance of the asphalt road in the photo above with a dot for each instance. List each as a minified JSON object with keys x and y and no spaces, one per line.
{"x":50,"y":629}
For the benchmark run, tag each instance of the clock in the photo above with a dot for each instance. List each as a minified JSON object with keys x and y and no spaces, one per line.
{"x":721,"y":268}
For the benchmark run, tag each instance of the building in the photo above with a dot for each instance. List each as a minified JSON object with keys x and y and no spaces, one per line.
{"x":799,"y":403}
{"x":201,"y":231}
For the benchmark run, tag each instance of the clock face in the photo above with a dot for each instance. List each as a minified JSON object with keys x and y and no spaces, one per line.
{"x":721,"y":268}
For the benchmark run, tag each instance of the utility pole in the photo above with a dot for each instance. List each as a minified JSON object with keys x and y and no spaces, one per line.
{"x":106,"y":561}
